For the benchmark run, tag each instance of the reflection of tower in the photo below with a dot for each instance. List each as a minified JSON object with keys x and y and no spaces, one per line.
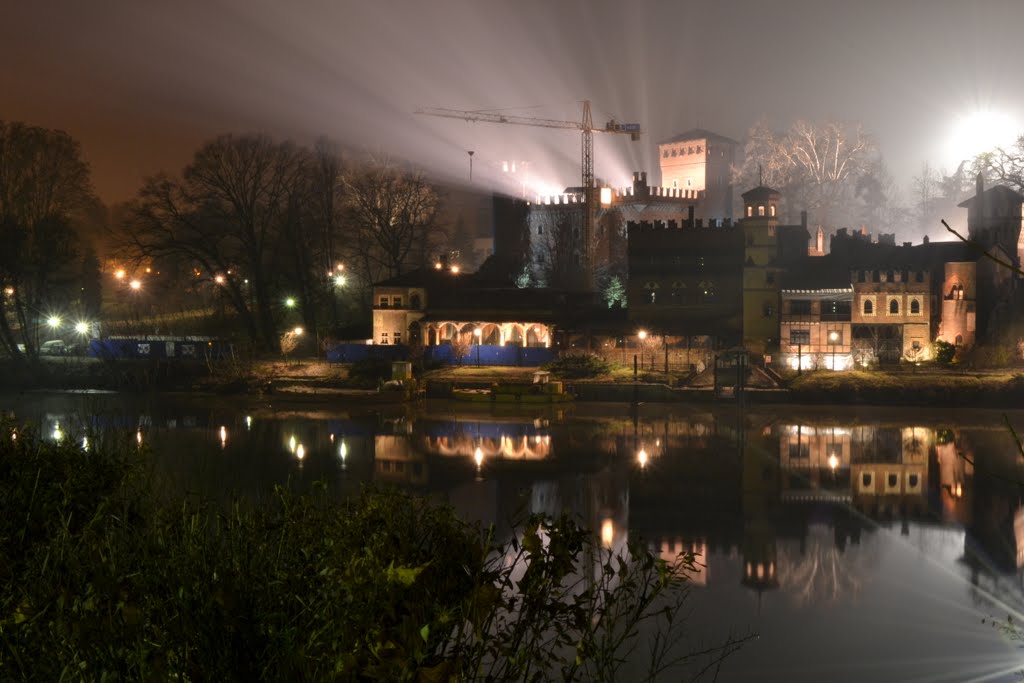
{"x":761,"y":485}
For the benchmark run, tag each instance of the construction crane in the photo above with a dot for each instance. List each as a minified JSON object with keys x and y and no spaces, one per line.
{"x":586,"y":126}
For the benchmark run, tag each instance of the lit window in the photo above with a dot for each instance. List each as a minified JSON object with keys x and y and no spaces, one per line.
{"x":383,"y":302}
{"x":800,"y":337}
{"x":894,"y":307}
{"x":397,"y":302}
{"x":398,"y":337}
{"x":383,"y":337}
{"x":959,"y":341}
{"x":760,"y":210}
{"x":771,"y":211}
{"x":750,"y":212}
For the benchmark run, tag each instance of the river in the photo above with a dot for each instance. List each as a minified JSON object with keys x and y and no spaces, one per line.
{"x":858,"y":544}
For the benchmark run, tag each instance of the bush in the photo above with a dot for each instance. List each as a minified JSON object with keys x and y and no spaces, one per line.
{"x":944,"y":352}
{"x":369,"y":373}
{"x":102,"y":582}
{"x":578,"y":366}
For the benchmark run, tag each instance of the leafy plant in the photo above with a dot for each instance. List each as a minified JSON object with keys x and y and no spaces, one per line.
{"x":944,"y":352}
{"x":578,"y":366}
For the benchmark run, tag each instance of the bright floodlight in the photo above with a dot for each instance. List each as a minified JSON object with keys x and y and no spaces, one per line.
{"x":53,"y":321}
{"x":135,"y":284}
{"x":219,"y":279}
{"x":82,"y":327}
{"x":977,"y":132}
{"x":340,"y":280}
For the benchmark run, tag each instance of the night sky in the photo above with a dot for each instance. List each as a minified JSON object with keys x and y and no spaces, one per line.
{"x":142,"y":84}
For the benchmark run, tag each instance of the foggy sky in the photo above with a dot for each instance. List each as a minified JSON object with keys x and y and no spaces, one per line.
{"x":142,"y":84}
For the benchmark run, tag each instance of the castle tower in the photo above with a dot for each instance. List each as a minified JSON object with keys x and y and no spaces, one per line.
{"x":761,"y":273}
{"x":700,"y":162}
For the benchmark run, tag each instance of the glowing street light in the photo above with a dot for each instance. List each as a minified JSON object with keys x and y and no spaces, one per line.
{"x":438,"y":265}
{"x":9,"y":291}
{"x":135,"y":284}
{"x":833,"y":462}
{"x":478,"y":333}
{"x":53,"y":322}
{"x":455,"y":270}
{"x":641,"y":335}
{"x":82,"y":327}
{"x":119,"y":274}
{"x":219,"y":279}
{"x":641,"y":458}
{"x":340,"y":280}
{"x":298,"y":331}
{"x":289,"y":302}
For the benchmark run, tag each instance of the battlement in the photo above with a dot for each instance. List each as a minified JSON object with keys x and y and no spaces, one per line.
{"x":655,"y":226}
{"x":612,"y":196}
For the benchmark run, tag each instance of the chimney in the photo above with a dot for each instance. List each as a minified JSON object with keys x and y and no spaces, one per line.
{"x":925,"y":240}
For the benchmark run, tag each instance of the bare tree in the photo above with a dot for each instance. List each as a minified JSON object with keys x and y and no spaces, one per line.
{"x":392,"y":215}
{"x":44,"y":184}
{"x":1003,"y":165}
{"x":226,"y":216}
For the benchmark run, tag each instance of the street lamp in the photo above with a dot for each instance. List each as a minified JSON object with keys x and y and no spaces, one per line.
{"x":53,"y":322}
{"x":478,"y":333}
{"x":641,"y":335}
{"x":833,"y":337}
{"x":135,"y":285}
{"x":289,"y":302}
{"x":340,"y":280}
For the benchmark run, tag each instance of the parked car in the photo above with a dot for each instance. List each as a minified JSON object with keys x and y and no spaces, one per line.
{"x":56,"y":347}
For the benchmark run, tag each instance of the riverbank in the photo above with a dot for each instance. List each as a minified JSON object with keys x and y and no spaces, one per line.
{"x":313,"y":381}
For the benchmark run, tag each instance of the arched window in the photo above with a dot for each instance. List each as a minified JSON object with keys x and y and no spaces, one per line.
{"x":959,"y":291}
{"x":750,"y":212}
{"x":889,"y":276}
{"x":959,"y":341}
{"x":894,"y":307}
{"x":771,"y":210}
{"x":414,"y":301}
{"x":869,"y":308}
{"x":915,"y":307}
{"x":760,"y":210}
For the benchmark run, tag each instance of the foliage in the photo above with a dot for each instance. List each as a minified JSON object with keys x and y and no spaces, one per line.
{"x":944,"y":352}
{"x":578,"y":366}
{"x":369,"y":373}
{"x":615,"y":292}
{"x":103,"y":581}
{"x":44,"y":189}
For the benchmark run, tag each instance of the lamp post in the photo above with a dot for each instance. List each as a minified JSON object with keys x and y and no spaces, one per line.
{"x":833,"y":337}
{"x":641,"y":335}
{"x":478,"y":333}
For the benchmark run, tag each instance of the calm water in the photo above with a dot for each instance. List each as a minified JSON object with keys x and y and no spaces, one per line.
{"x":860,"y":545}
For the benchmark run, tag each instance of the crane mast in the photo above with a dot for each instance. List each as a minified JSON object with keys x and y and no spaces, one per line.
{"x":586,"y":127}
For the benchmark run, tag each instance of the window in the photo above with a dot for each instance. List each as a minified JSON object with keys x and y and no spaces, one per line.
{"x":861,"y":276}
{"x":769,"y":278}
{"x":800,"y":337}
{"x":673,"y":153}
{"x":915,"y":307}
{"x":771,"y":211}
{"x":665,"y":154}
{"x":414,"y":301}
{"x":916,"y":345}
{"x":959,"y":341}
{"x":874,"y":276}
{"x":894,"y":307}
{"x":919,"y":276}
{"x":889,"y":276}
{"x":768,"y":310}
{"x":383,"y":337}
{"x":869,"y":307}
{"x":398,"y":337}
{"x":750,"y":212}
{"x":771,"y":231}
{"x":698,"y":149}
{"x":760,"y":210}
{"x":800,"y":307}
{"x":383,"y":302}
{"x":675,"y":184}
{"x":396,"y":302}
{"x":689,"y":182}
{"x":800,"y":450}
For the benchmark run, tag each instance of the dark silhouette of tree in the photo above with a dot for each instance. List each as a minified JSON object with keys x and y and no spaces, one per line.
{"x":226,"y":216}
{"x":44,"y":188}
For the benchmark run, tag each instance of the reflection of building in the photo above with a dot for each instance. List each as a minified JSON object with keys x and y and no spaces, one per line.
{"x":397,"y":462}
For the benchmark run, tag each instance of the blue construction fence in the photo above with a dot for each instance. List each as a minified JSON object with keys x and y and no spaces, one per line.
{"x":484,"y":354}
{"x":179,"y":349}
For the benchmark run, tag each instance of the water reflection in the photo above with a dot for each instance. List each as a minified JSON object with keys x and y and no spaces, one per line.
{"x":782,"y":510}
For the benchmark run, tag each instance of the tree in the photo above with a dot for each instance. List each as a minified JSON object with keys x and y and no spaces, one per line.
{"x":226,"y":215}
{"x":1003,"y":165}
{"x":816,"y":167}
{"x":44,"y":188}
{"x":391,"y":215}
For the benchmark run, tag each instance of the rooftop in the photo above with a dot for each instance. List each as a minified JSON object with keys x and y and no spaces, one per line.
{"x":698,"y":134}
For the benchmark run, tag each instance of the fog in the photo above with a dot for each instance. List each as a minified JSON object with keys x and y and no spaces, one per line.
{"x":142,"y":84}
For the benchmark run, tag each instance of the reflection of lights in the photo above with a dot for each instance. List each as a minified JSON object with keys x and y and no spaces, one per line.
{"x":138,"y":437}
{"x":57,"y":433}
{"x":300,"y":452}
{"x":85,"y":443}
{"x":478,"y":457}
{"x":248,"y":422}
{"x":607,"y":533}
{"x":833,"y":462}
{"x":958,"y":491}
{"x":332,"y":437}
{"x":641,"y":458}
{"x":657,"y":442}
{"x":223,"y":436}
{"x":343,"y":452}
{"x":291,"y":443}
